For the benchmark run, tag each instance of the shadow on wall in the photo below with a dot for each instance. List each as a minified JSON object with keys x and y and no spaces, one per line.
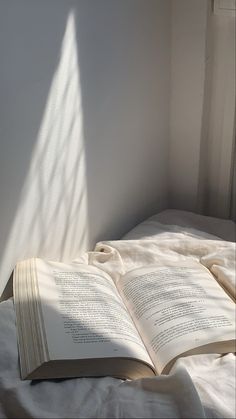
{"x":43,"y":184}
{"x":60,"y":193}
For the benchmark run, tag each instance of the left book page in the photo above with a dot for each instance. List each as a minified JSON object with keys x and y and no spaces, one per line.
{"x":83,"y":314}
{"x":83,"y":318}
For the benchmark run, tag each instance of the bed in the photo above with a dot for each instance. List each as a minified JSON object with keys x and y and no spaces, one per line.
{"x":197,"y":386}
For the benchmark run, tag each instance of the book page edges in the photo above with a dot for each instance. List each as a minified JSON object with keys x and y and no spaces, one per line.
{"x":123,"y":368}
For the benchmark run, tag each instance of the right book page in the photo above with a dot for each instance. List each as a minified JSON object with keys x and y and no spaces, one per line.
{"x":179,"y":308}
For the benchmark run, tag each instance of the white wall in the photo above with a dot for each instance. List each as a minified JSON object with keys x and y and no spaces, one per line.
{"x":188,"y":71}
{"x":84,"y":110}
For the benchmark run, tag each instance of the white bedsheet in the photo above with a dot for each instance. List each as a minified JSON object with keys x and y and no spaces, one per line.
{"x":198,"y":386}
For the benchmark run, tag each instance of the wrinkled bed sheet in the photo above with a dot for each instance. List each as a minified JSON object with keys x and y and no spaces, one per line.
{"x":197,"y":387}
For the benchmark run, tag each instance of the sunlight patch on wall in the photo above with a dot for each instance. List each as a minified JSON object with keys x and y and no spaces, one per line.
{"x":51,"y":219}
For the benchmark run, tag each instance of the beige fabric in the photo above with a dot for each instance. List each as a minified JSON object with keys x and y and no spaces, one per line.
{"x":175,"y":396}
{"x":119,"y":257}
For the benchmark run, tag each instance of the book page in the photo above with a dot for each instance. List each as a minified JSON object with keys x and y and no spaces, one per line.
{"x":177,"y":308}
{"x":84,"y":316}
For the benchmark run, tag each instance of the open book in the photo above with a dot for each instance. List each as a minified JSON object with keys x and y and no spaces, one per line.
{"x":73,"y":320}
